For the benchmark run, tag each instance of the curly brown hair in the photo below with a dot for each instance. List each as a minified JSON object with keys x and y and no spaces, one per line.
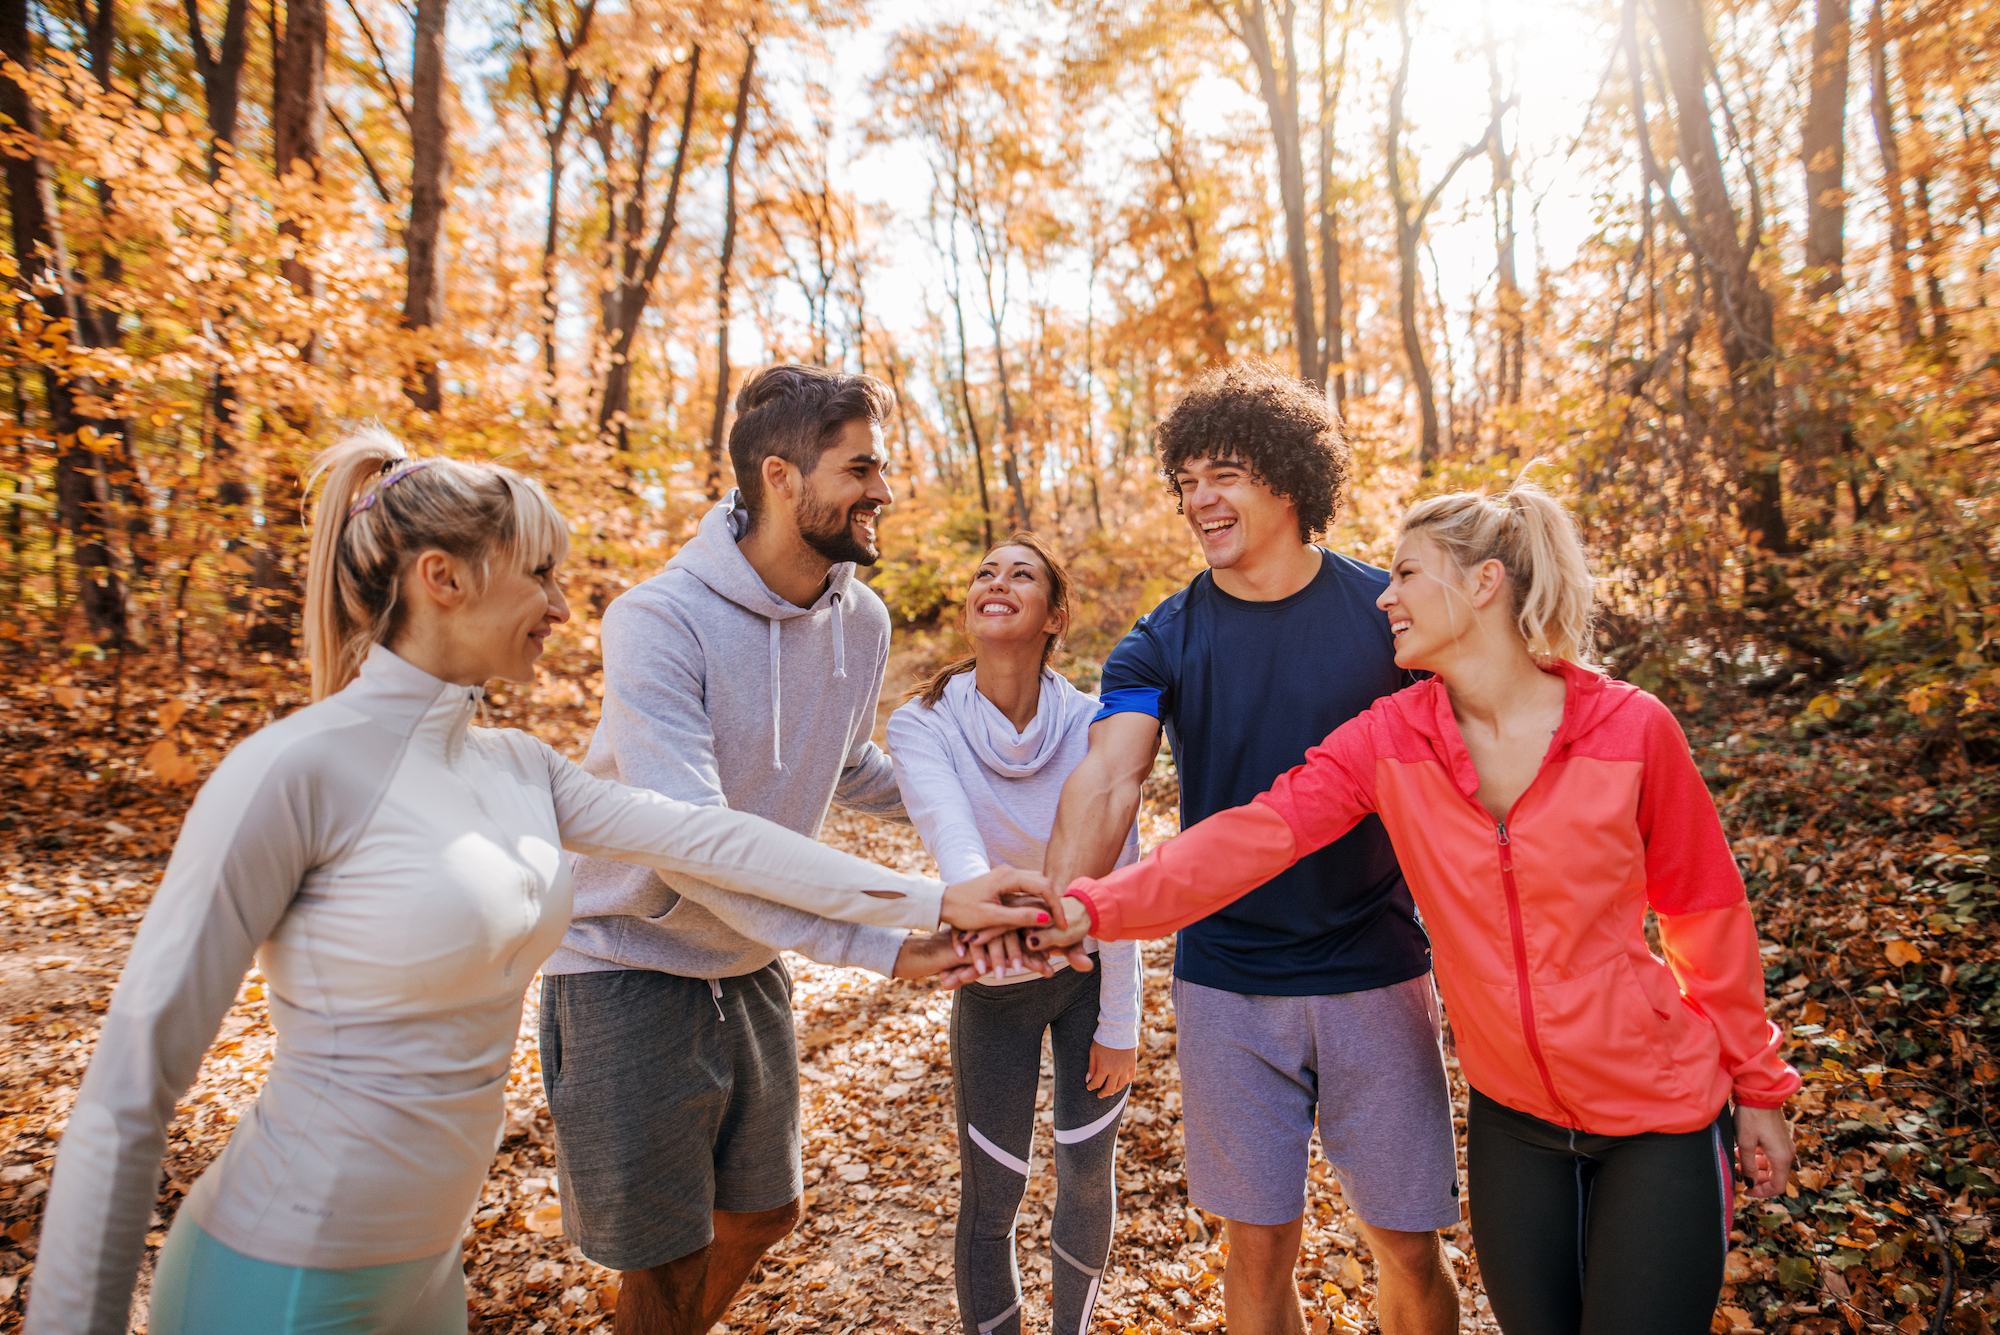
{"x":1277,"y":425}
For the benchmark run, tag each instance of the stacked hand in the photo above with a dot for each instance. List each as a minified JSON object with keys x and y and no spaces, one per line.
{"x":1002,"y":899}
{"x":1000,"y":952}
{"x":1008,"y":921}
{"x":1072,"y":924}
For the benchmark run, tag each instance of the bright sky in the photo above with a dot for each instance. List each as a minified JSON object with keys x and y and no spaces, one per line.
{"x":1555,"y":55}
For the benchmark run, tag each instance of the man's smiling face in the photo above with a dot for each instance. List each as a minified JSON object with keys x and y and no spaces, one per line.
{"x":1234,"y":515}
{"x":844,"y":494}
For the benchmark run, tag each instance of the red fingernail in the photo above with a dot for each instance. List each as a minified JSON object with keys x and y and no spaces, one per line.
{"x":1041,"y":919}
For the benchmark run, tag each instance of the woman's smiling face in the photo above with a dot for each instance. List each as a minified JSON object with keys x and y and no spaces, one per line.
{"x":1429,"y":612}
{"x":509,"y":622}
{"x":1010,"y":599}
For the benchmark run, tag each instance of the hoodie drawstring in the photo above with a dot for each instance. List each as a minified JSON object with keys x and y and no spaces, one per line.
{"x":715,"y":992}
{"x":839,"y":673}
{"x":839,"y":644}
{"x":777,"y":759}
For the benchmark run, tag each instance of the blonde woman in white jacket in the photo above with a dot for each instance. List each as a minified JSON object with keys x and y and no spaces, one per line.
{"x":399,"y":875}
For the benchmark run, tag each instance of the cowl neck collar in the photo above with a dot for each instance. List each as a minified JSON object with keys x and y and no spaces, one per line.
{"x":991,"y":735}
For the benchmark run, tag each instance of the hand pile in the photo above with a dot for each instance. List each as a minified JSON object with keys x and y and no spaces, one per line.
{"x":1007,"y":921}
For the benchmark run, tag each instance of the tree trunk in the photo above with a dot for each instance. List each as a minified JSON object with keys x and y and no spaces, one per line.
{"x":1212,"y":338}
{"x":965,"y":396}
{"x":1927,"y":255}
{"x":221,"y":83}
{"x":1743,"y":313}
{"x":221,"y":73}
{"x":1884,"y":113}
{"x":298,"y":128}
{"x":1024,"y":517}
{"x":637,"y":274}
{"x":1409,"y":228}
{"x":298,"y":112}
{"x":555,"y":133}
{"x":1281,"y":103}
{"x":100,"y":326}
{"x":1333,"y":366}
{"x":83,"y":495}
{"x":1513,"y":337}
{"x":430,"y":180}
{"x":1824,"y":149}
{"x":742,"y":118}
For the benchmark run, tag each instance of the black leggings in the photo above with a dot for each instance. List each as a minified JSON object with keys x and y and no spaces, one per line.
{"x":996,"y":1062}
{"x":1581,"y":1234}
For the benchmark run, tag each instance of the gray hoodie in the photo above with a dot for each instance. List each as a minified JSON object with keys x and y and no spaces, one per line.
{"x":721,"y":693}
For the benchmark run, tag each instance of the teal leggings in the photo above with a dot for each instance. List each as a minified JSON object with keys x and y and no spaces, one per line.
{"x":201,"y":1287}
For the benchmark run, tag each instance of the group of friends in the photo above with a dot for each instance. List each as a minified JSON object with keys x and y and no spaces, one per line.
{"x":1380,"y":772}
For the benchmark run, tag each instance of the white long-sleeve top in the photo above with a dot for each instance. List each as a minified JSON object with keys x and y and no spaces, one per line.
{"x":400,"y":876}
{"x":983,"y":795}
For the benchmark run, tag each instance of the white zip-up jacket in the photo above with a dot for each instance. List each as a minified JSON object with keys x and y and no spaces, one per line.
{"x":399,"y":876}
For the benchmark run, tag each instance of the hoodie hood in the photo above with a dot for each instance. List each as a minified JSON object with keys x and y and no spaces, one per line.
{"x":991,"y":735}
{"x":714,"y":557}
{"x":1589,"y":698}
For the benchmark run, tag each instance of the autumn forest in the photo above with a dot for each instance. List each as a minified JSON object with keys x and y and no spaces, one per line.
{"x":1724,"y":270}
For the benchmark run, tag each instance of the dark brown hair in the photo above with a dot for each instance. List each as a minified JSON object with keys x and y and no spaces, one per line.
{"x":795,"y":412}
{"x":1278,"y":426}
{"x":931,"y":689}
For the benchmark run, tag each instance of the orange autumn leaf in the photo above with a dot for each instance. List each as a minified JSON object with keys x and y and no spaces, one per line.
{"x":1901,"y":953}
{"x":166,"y":761}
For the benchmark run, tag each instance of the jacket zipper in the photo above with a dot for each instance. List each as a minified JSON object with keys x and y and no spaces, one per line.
{"x":1521,"y":969}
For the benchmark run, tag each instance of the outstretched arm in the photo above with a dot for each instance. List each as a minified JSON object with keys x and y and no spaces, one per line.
{"x":1209,"y":865}
{"x":252,"y":834}
{"x":1100,"y":799}
{"x":1219,"y":860}
{"x":753,"y":856}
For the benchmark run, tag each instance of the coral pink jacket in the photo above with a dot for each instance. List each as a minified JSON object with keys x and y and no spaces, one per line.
{"x":1537,"y":922}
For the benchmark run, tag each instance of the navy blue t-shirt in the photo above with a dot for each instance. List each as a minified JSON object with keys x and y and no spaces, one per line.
{"x":1242,"y":690}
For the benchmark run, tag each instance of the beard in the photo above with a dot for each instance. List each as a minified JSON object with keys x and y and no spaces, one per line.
{"x":829,"y":530}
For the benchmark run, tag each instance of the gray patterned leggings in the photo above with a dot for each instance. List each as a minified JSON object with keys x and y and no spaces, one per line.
{"x":996,"y":1057}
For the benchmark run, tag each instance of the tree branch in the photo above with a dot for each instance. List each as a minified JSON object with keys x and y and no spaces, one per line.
{"x":382,"y":61}
{"x":366,"y":161}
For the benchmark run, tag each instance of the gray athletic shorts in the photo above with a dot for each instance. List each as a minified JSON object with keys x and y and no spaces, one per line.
{"x":670,"y":1102}
{"x":1255,"y":1070}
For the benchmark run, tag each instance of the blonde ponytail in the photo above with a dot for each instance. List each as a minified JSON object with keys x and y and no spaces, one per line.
{"x":1530,"y":533}
{"x":378,"y":511}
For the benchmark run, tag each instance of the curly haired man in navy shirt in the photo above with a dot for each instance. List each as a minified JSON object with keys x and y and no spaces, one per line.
{"x":1308,"y":1002}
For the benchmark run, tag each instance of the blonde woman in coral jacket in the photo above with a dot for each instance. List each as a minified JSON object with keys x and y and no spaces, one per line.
{"x":400,"y":874}
{"x":1538,"y":810}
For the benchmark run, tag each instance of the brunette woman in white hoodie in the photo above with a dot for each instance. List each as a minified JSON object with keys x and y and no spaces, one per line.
{"x":981,"y":753}
{"x":399,"y":875}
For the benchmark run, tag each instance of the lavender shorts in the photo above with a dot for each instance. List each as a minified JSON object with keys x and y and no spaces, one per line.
{"x":1256,"y":1072}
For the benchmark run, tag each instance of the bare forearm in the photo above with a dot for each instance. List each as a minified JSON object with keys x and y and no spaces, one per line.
{"x":1096,"y":812}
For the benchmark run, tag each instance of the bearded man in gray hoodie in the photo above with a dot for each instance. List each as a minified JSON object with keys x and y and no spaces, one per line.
{"x":745,"y":674}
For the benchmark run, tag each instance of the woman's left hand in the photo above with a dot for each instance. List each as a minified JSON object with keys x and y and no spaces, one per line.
{"x":1111,"y":1069}
{"x":1764,"y":1149}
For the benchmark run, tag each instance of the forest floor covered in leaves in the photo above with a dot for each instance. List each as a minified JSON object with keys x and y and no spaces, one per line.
{"x":1871,"y":874}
